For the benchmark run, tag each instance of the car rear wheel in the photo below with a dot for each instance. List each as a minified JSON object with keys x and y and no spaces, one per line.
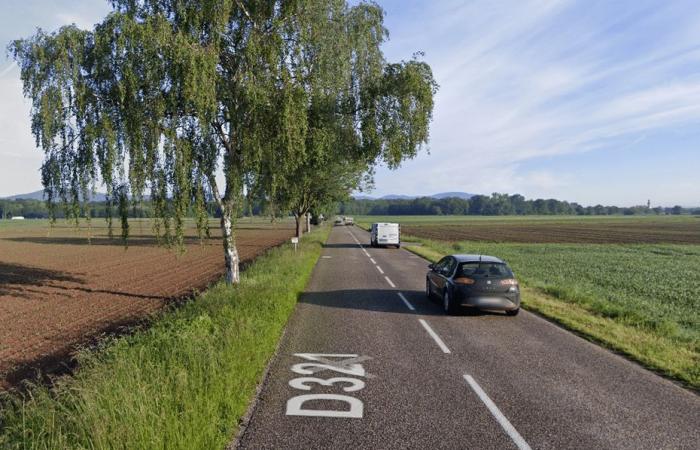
{"x":513,"y":312}
{"x":448,"y":305}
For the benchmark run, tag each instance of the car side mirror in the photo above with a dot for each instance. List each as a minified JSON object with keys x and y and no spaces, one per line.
{"x":431,"y":266}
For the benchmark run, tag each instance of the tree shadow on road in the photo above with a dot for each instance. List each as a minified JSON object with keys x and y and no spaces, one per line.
{"x":385,"y":300}
{"x":341,"y":246}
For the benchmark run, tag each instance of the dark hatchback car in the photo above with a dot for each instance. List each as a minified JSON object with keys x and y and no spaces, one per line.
{"x":473,"y":281}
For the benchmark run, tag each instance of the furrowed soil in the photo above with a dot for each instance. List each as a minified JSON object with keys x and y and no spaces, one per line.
{"x":58,"y":291}
{"x":584,"y":232}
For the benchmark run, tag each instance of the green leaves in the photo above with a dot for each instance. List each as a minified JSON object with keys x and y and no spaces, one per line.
{"x":405,"y":109}
{"x":294,"y":99}
{"x":359,"y":110}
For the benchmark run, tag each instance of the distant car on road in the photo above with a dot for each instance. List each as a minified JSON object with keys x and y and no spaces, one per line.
{"x":349,"y":221}
{"x":383,"y":234}
{"x":338,"y":221}
{"x":473,"y":281}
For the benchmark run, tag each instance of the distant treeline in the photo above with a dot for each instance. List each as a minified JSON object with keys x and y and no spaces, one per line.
{"x":38,"y":209}
{"x":494,"y":205}
{"x":484,"y":205}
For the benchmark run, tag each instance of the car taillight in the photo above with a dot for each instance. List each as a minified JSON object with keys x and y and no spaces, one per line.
{"x":509,"y":282}
{"x":464,"y":280}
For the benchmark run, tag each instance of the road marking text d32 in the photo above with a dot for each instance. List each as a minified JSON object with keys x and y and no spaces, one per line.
{"x":346,"y":364}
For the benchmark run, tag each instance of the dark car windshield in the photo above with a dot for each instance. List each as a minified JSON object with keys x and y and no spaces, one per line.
{"x":478,"y":269}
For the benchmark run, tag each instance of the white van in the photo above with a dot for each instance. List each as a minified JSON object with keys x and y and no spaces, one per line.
{"x":385,"y":234}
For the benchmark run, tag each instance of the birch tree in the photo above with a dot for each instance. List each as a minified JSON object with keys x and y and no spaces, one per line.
{"x":361,"y":110}
{"x":187,"y":101}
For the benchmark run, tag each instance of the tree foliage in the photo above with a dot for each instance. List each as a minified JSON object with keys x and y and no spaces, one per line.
{"x":493,"y":205}
{"x":161,"y":97}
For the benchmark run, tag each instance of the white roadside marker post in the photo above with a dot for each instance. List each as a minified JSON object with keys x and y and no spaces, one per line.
{"x":295,"y":241}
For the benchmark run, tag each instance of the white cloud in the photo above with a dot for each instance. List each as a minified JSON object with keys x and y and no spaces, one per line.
{"x":526,"y":79}
{"x":521,"y":81}
{"x":19,"y":157}
{"x":8,"y":69}
{"x":80,"y":21}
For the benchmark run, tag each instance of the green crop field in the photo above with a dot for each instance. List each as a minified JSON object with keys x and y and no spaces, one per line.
{"x":640,"y":289}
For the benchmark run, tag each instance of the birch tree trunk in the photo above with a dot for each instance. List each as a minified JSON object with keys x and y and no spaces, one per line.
{"x":230,"y":250}
{"x":297,"y":218}
{"x":308,"y":222}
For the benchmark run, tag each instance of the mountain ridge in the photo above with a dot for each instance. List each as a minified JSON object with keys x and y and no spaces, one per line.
{"x":39,"y":195}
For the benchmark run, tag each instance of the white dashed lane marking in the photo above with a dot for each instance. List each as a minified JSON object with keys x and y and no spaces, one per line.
{"x":497,"y":414}
{"x":408,"y":304}
{"x":435,"y":336}
{"x":493,"y":409}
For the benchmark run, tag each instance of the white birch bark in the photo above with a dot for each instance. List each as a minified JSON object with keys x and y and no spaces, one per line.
{"x":230,"y":250}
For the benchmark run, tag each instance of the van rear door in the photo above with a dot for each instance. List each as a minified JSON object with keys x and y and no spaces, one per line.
{"x":388,"y":233}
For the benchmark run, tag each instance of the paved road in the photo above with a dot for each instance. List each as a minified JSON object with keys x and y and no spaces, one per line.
{"x":362,"y":367}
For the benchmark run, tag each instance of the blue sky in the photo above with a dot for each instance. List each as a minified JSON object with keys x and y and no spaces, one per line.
{"x":587,"y":101}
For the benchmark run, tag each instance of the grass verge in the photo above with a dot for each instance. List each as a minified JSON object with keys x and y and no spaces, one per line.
{"x":184,"y":382}
{"x":675,"y":358}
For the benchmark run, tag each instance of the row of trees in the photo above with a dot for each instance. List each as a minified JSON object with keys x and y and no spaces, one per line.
{"x":39,"y":209}
{"x":291,"y":102}
{"x":494,"y":205}
{"x":478,"y":205}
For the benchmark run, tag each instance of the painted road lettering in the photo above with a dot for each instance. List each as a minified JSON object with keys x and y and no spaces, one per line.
{"x":346,"y":364}
{"x":301,"y":383}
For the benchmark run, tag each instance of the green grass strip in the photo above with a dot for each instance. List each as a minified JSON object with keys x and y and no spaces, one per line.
{"x":182,"y":383}
{"x":675,"y":358}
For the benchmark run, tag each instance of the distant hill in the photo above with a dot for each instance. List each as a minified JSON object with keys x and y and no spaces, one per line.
{"x":397,"y":197}
{"x":39,"y":195}
{"x":463,"y":195}
{"x":36,"y":195}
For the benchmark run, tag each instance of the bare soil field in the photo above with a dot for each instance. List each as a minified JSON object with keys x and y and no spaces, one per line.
{"x":57,"y":291}
{"x":584,"y":232}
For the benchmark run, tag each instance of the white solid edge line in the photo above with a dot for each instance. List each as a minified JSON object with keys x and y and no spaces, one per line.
{"x":505,"y":424}
{"x":435,"y":337}
{"x":379,"y":269}
{"x":389,"y":281}
{"x":408,"y":304}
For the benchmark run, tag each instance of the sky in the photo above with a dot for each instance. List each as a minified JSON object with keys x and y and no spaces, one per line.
{"x":596,"y":102}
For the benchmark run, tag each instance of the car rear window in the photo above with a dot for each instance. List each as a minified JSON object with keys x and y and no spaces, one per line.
{"x":484,"y":270}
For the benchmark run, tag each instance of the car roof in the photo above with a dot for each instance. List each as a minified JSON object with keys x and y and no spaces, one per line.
{"x":476,"y":258}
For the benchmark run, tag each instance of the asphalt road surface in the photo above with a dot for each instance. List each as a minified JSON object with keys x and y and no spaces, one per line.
{"x":368,"y":362}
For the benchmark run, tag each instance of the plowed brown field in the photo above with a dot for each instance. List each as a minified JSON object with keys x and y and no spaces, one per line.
{"x":57,"y":291}
{"x":620,"y":232}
